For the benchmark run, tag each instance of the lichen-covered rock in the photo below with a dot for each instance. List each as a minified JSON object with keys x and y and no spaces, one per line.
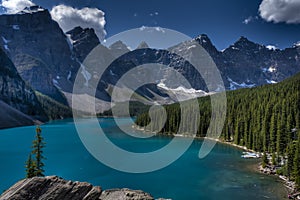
{"x":55,"y":188}
{"x":125,"y":194}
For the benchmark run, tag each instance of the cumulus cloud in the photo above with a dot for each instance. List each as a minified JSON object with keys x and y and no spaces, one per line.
{"x":14,"y":6}
{"x":280,"y":11}
{"x":69,"y":17}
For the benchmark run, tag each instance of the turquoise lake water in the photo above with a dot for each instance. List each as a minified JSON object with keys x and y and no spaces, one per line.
{"x":223,"y":174}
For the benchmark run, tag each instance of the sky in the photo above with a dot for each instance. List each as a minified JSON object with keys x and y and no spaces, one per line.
{"x":268,"y":22}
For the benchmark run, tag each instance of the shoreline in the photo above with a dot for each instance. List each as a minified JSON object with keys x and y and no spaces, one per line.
{"x":288,"y":185}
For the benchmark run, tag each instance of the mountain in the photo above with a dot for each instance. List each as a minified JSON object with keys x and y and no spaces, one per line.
{"x":19,"y":102}
{"x":48,"y":60}
{"x":248,"y":64}
{"x":83,"y":41}
{"x":40,"y":51}
{"x":244,"y":64}
{"x":143,"y":45}
{"x":118,"y":48}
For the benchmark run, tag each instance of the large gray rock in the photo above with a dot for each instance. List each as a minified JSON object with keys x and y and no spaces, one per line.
{"x":55,"y":188}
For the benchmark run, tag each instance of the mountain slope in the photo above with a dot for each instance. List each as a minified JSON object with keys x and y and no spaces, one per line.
{"x":16,"y":93}
{"x":35,"y":42}
{"x":11,"y":117}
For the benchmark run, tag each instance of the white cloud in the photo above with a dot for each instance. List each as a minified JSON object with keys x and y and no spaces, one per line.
{"x":69,"y":17}
{"x":276,"y":11}
{"x":248,"y":20}
{"x":14,"y":6}
{"x":153,"y":14}
{"x":152,"y":29}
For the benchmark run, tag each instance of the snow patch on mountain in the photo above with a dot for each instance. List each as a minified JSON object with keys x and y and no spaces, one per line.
{"x":297,"y":44}
{"x":270,"y":81}
{"x":191,"y":47}
{"x":55,"y":83}
{"x":234,"y":85}
{"x":183,"y":93}
{"x":70,"y":41}
{"x":271,"y":69}
{"x":69,"y":75}
{"x":32,"y":9}
{"x":16,"y":27}
{"x":87,"y":76}
{"x":271,"y":47}
{"x":111,"y":73}
{"x":5,"y":40}
{"x":5,"y":43}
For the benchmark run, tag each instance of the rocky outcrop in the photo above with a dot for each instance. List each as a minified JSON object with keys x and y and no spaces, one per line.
{"x":55,"y":188}
{"x":83,"y":41}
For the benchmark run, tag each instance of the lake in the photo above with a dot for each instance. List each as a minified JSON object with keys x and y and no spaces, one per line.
{"x":223,"y":174}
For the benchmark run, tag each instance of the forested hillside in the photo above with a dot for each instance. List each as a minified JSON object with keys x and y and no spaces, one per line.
{"x":264,"y":119}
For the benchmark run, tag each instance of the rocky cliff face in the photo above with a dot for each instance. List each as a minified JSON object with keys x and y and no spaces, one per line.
{"x":53,"y":187}
{"x":39,"y":49}
{"x":248,"y":64}
{"x":83,"y":41}
{"x":15,"y":92}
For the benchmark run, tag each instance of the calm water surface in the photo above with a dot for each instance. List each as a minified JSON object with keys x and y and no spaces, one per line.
{"x":221,"y":175}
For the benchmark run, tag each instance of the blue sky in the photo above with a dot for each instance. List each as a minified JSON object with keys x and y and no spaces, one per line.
{"x":223,"y":21}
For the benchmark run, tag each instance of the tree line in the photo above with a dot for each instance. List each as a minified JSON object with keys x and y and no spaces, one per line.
{"x":264,"y":119}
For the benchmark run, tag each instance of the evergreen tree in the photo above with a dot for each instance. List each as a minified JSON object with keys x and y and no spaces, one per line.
{"x":265,"y":160}
{"x":290,"y":160}
{"x":296,"y":167}
{"x":274,"y":162}
{"x":38,"y":145}
{"x":34,"y":167}
{"x":30,"y":167}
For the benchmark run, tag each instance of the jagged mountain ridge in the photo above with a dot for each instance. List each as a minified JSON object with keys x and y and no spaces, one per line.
{"x":243,"y":64}
{"x":48,"y":60}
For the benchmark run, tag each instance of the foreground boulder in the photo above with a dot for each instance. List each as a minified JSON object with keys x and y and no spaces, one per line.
{"x":55,"y":188}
